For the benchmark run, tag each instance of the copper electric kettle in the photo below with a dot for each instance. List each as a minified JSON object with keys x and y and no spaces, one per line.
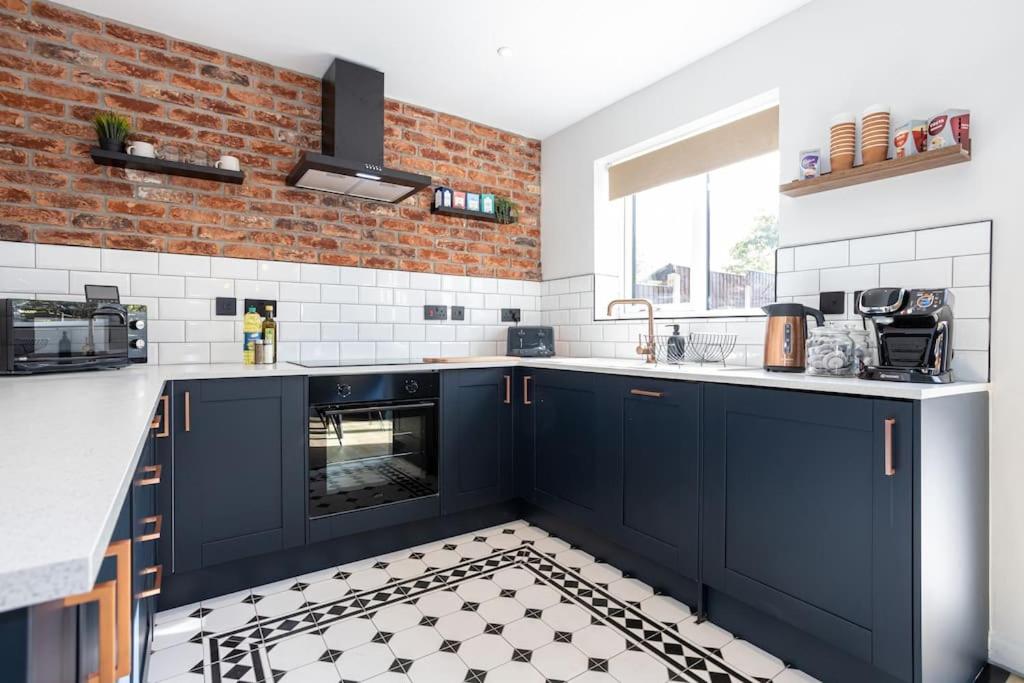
{"x":785,"y":336}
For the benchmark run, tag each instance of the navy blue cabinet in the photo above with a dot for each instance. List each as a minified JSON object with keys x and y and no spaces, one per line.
{"x":476,"y":438}
{"x":571,"y":423}
{"x":655,"y":500}
{"x":808,"y":515}
{"x":238,"y":468}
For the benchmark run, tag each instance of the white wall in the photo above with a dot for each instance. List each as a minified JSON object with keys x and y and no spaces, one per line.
{"x":833,"y":56}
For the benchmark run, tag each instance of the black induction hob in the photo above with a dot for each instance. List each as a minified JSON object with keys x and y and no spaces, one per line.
{"x":355,"y":363}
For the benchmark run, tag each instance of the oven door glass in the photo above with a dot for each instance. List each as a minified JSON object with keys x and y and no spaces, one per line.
{"x":365,"y":456}
{"x":68,"y":332}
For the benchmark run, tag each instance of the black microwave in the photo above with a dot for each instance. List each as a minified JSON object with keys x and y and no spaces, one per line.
{"x":57,"y":336}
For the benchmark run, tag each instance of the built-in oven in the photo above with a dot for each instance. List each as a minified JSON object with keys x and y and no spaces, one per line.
{"x":372,"y":446}
{"x":51,"y":336}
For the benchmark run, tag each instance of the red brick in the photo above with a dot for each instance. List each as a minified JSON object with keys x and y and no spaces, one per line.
{"x":32,"y":141}
{"x":250,"y":67}
{"x":197,"y":51}
{"x":316,"y":213}
{"x":11,"y":119}
{"x":248,"y":97}
{"x":9,"y":80}
{"x":25,"y":214}
{"x":163,"y":194}
{"x":299,"y":110}
{"x":135,"y":208}
{"x":183,"y":98}
{"x":103,"y":186}
{"x":300,"y":80}
{"x":197,"y":118}
{"x":72,"y":237}
{"x":380,"y":262}
{"x":134,"y":35}
{"x":14,"y":194}
{"x":102,"y":45}
{"x":182,"y":213}
{"x":192,"y":247}
{"x":32,"y":27}
{"x":416,"y":266}
{"x":317,"y":242}
{"x":30,"y":103}
{"x":12,"y":42}
{"x":250,"y":129}
{"x":61,"y":200}
{"x":272,"y":238}
{"x":220,"y":234}
{"x":274,"y":119}
{"x":120,"y":102}
{"x":94,"y":222}
{"x":133,"y":242}
{"x":165,"y":228}
{"x":70,"y":55}
{"x":13,"y":233}
{"x":220,"y":139}
{"x":43,"y":124}
{"x":166,"y":60}
{"x":339,"y":231}
{"x":247,"y":251}
{"x":221,"y":203}
{"x":336,"y":259}
{"x":35,"y":66}
{"x":135,"y":70}
{"x":164,"y":128}
{"x":222,"y":107}
{"x":14,"y":6}
{"x":102,"y":82}
{"x":221,"y":74}
{"x":197,"y":84}
{"x":301,"y":255}
{"x":272,"y":148}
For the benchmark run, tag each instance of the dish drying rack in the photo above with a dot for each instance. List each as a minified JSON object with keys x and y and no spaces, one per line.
{"x":700,"y":347}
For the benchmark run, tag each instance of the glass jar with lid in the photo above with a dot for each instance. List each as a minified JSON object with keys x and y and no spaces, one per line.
{"x":831,"y":352}
{"x":865,"y":349}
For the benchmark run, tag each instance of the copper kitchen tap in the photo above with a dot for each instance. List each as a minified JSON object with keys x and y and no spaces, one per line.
{"x":647,"y":349}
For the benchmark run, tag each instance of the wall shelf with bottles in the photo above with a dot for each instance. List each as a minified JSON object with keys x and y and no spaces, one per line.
{"x":464,"y":213}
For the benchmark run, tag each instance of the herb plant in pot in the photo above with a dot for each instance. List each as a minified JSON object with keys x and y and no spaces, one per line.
{"x":505,"y":210}
{"x":111,"y":130}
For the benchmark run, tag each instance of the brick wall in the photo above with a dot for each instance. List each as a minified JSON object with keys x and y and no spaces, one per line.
{"x":58,"y":67}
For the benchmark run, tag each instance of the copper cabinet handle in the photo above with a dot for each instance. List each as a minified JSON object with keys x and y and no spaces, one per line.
{"x":508,"y":389}
{"x":161,"y":419}
{"x":648,"y":394}
{"x":890,"y":468}
{"x":105,"y":595}
{"x":526,"y":391}
{"x":157,"y":582}
{"x":122,"y":551}
{"x":158,"y":524}
{"x":155,"y":470}
{"x":188,"y":412}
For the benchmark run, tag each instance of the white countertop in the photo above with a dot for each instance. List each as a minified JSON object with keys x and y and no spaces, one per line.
{"x":70,"y":443}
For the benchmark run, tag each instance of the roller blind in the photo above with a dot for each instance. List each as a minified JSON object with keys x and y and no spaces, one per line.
{"x":744,"y":138}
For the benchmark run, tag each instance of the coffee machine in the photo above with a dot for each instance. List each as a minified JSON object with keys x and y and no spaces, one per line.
{"x":915,"y":334}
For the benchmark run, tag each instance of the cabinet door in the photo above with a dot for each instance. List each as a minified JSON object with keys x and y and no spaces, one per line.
{"x":570,"y":444}
{"x":476,"y":445}
{"x":522,"y":398}
{"x":657,"y":471}
{"x":803,"y":521}
{"x":239,"y":470}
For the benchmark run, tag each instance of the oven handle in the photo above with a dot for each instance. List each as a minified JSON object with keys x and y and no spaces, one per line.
{"x":377,"y":409}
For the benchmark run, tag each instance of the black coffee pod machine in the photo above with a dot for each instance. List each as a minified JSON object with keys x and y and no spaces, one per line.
{"x":915,"y":334}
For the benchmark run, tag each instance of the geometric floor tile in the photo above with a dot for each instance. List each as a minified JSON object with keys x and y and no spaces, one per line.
{"x":508,"y":604}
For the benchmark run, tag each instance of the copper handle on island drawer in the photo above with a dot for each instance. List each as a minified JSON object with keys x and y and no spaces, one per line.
{"x":526,"y":391}
{"x":105,"y":595}
{"x":160,"y":421}
{"x":157,"y":582}
{"x":158,"y":525}
{"x":508,"y":388}
{"x":890,"y":468}
{"x":155,"y":470}
{"x":122,"y":551}
{"x":188,"y":412}
{"x":648,"y":394}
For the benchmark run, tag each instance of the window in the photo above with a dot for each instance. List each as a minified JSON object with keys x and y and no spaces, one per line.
{"x":705,"y":244}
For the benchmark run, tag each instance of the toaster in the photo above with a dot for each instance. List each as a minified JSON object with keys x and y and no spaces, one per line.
{"x":537,"y":341}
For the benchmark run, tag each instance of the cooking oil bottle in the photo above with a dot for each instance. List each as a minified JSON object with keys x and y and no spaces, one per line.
{"x":270,"y":336}
{"x":252,"y":327}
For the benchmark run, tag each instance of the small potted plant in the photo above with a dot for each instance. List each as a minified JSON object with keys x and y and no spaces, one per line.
{"x":505,"y":210}
{"x":111,"y":130}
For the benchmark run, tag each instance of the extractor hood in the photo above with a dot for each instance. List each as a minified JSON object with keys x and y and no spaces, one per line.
{"x":352,"y":158}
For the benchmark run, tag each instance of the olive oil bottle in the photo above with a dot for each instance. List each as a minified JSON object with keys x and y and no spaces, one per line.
{"x":270,"y":336}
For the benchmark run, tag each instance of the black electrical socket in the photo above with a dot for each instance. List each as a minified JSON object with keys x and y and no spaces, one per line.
{"x":832,"y":303}
{"x":458,"y":312}
{"x":432,"y":312}
{"x":227,"y":305}
{"x":510,"y":315}
{"x":261,"y":306}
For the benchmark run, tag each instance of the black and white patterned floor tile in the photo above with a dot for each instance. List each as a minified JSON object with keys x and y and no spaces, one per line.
{"x":509,"y":604}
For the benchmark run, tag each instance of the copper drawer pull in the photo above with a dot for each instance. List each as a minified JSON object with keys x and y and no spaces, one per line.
{"x":158,"y":524}
{"x":508,"y":388}
{"x":157,"y":582}
{"x":160,"y":421}
{"x":122,"y":551}
{"x":105,"y":594}
{"x":890,"y":468}
{"x":155,"y":470}
{"x":188,"y":412}
{"x":526,"y":391}
{"x":648,"y":394}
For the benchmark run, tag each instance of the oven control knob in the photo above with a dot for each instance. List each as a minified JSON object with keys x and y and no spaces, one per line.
{"x":412,"y":386}
{"x":344,"y":390}
{"x":137,"y":324}
{"x":137,"y":343}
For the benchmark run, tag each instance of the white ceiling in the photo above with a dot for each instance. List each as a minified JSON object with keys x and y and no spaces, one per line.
{"x":572,"y":57}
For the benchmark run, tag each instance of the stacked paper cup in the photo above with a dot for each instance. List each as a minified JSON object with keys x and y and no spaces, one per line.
{"x":842,"y":141}
{"x":874,"y":134}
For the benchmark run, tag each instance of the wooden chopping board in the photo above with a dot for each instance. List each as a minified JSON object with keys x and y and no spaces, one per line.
{"x":468,"y":359}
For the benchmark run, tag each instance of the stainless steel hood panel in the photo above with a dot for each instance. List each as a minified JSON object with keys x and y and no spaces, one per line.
{"x":364,"y":181}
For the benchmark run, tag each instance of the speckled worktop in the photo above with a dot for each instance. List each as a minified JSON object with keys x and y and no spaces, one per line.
{"x":69,"y":445}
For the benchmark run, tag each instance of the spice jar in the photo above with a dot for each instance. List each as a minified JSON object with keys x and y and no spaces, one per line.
{"x":831,"y":352}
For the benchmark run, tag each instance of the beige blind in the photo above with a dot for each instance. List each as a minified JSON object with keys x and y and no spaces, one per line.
{"x":744,"y":138}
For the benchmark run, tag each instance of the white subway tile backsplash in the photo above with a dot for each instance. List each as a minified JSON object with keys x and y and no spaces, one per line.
{"x":409,"y":297}
{"x":510,"y":286}
{"x":376,"y":295}
{"x":70,"y":258}
{"x":971,"y":366}
{"x":160,"y":331}
{"x":392,"y":278}
{"x":299,"y":332}
{"x":394,"y":314}
{"x":970,"y":334}
{"x":784,"y":260}
{"x":469,"y":300}
{"x":183,"y":264}
{"x":33,"y":280}
{"x":424,"y":349}
{"x":357,"y":350}
{"x":929,"y":273}
{"x":184,"y":309}
{"x":454,"y":283}
{"x":497,"y":301}
{"x":357,"y":313}
{"x":954,"y":240}
{"x":971,"y":302}
{"x":296,"y":291}
{"x":339,"y":332}
{"x":208,"y":287}
{"x":531,"y":288}
{"x":558,"y":286}
{"x":254,"y":289}
{"x":849,"y":279}
{"x":482,"y":316}
{"x":319,"y":351}
{"x":439,"y":298}
{"x":454,"y":348}
{"x":18,"y":254}
{"x":797,"y":283}
{"x":235,"y":268}
{"x":227,"y":352}
{"x":320,"y":274}
{"x":409,"y":332}
{"x":77,"y":280}
{"x":180,"y":354}
{"x":440,"y":333}
{"x":484,"y":285}
{"x":209,"y":331}
{"x":393,"y":350}
{"x":123,"y":261}
{"x":824,"y":255}
{"x":287,"y":311}
{"x":339,"y":294}
{"x":158,"y":285}
{"x":971,"y":271}
{"x":424,"y":281}
{"x":320,"y":313}
{"x":581,"y":283}
{"x":469,"y":333}
{"x":569,"y":301}
{"x":280,"y":271}
{"x":287,"y":351}
{"x":484,"y":348}
{"x":363,"y":277}
{"x":882,"y":249}
{"x":375,"y":332}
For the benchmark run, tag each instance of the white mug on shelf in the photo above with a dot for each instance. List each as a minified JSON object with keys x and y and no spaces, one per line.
{"x":141,"y":149}
{"x":228,"y":163}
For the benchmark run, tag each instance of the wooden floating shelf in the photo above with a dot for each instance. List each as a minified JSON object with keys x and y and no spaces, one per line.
{"x":123,"y":160}
{"x":945,"y":156}
{"x":464,"y":213}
